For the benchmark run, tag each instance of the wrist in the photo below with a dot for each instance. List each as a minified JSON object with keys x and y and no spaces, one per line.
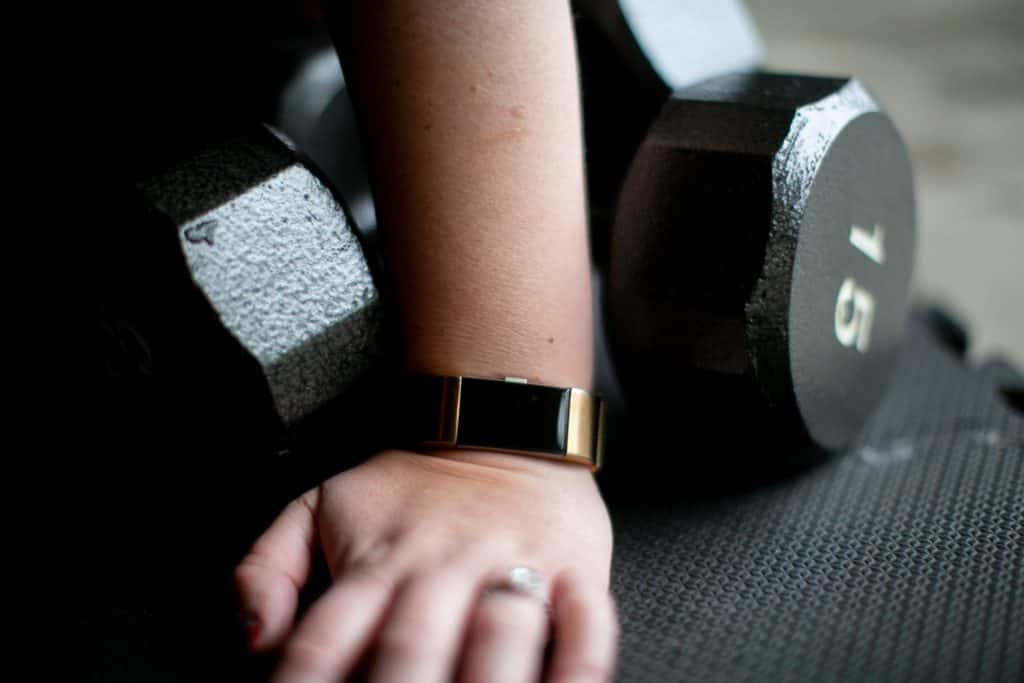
{"x":512,"y":462}
{"x":550,"y":359}
{"x":508,"y":420}
{"x":544,"y":334}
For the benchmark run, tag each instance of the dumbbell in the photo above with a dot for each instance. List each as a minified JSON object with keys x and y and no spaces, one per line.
{"x":315,"y":112}
{"x":761,"y":259}
{"x":235,"y":273}
{"x":632,"y":56}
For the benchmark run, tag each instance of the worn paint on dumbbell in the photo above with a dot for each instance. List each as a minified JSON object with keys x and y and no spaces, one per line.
{"x":201,"y":232}
{"x":846,"y":162}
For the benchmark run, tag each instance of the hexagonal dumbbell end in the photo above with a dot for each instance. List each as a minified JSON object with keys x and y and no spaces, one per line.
{"x":633,"y":55}
{"x":236,"y":273}
{"x":761,"y":257}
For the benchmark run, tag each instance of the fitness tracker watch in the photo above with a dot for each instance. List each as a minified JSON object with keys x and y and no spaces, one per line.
{"x":508,"y":415}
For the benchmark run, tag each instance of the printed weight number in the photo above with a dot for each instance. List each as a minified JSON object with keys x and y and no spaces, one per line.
{"x":855,"y":306}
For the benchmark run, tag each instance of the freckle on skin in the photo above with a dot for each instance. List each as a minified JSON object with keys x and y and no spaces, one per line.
{"x":472,"y":87}
{"x":551,"y":340}
{"x":518,"y":111}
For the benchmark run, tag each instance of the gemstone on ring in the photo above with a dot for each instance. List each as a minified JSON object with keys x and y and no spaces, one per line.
{"x":525,"y":581}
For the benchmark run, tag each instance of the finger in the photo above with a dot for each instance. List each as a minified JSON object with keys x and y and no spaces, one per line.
{"x":586,"y":630}
{"x":507,"y":634}
{"x":421,"y":639}
{"x":270,"y":577}
{"x":337,"y":630}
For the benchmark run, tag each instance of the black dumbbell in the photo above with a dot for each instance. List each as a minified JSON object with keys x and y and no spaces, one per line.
{"x":761,"y":259}
{"x":315,"y":112}
{"x":633,"y":55}
{"x":233,"y":281}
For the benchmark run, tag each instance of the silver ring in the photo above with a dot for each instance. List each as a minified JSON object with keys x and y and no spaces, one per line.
{"x":525,"y":581}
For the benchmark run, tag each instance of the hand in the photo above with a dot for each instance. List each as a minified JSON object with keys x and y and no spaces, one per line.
{"x":411,"y":541}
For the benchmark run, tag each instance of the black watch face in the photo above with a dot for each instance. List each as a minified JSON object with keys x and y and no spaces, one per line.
{"x":507,"y":415}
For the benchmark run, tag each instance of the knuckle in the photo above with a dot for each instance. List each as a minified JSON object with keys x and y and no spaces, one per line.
{"x":374,"y":577}
{"x":506,"y":545}
{"x":374,"y":572}
{"x":370,"y":555}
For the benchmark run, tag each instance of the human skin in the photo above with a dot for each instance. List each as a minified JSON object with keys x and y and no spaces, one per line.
{"x":471,"y":121}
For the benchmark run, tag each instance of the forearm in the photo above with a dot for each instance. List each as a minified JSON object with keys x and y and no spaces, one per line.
{"x":473,"y":136}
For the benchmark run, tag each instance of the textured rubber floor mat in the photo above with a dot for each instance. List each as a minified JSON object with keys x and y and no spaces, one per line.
{"x":902,"y":559}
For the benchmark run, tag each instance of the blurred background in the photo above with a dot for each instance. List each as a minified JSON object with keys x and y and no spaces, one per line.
{"x":951,"y":74}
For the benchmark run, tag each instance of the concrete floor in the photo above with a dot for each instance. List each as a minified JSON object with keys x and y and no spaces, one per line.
{"x":951,"y":73}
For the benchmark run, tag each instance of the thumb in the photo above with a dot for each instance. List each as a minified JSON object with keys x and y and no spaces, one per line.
{"x":270,"y":577}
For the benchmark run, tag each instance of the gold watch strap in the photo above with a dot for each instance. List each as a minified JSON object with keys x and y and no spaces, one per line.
{"x":508,"y":415}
